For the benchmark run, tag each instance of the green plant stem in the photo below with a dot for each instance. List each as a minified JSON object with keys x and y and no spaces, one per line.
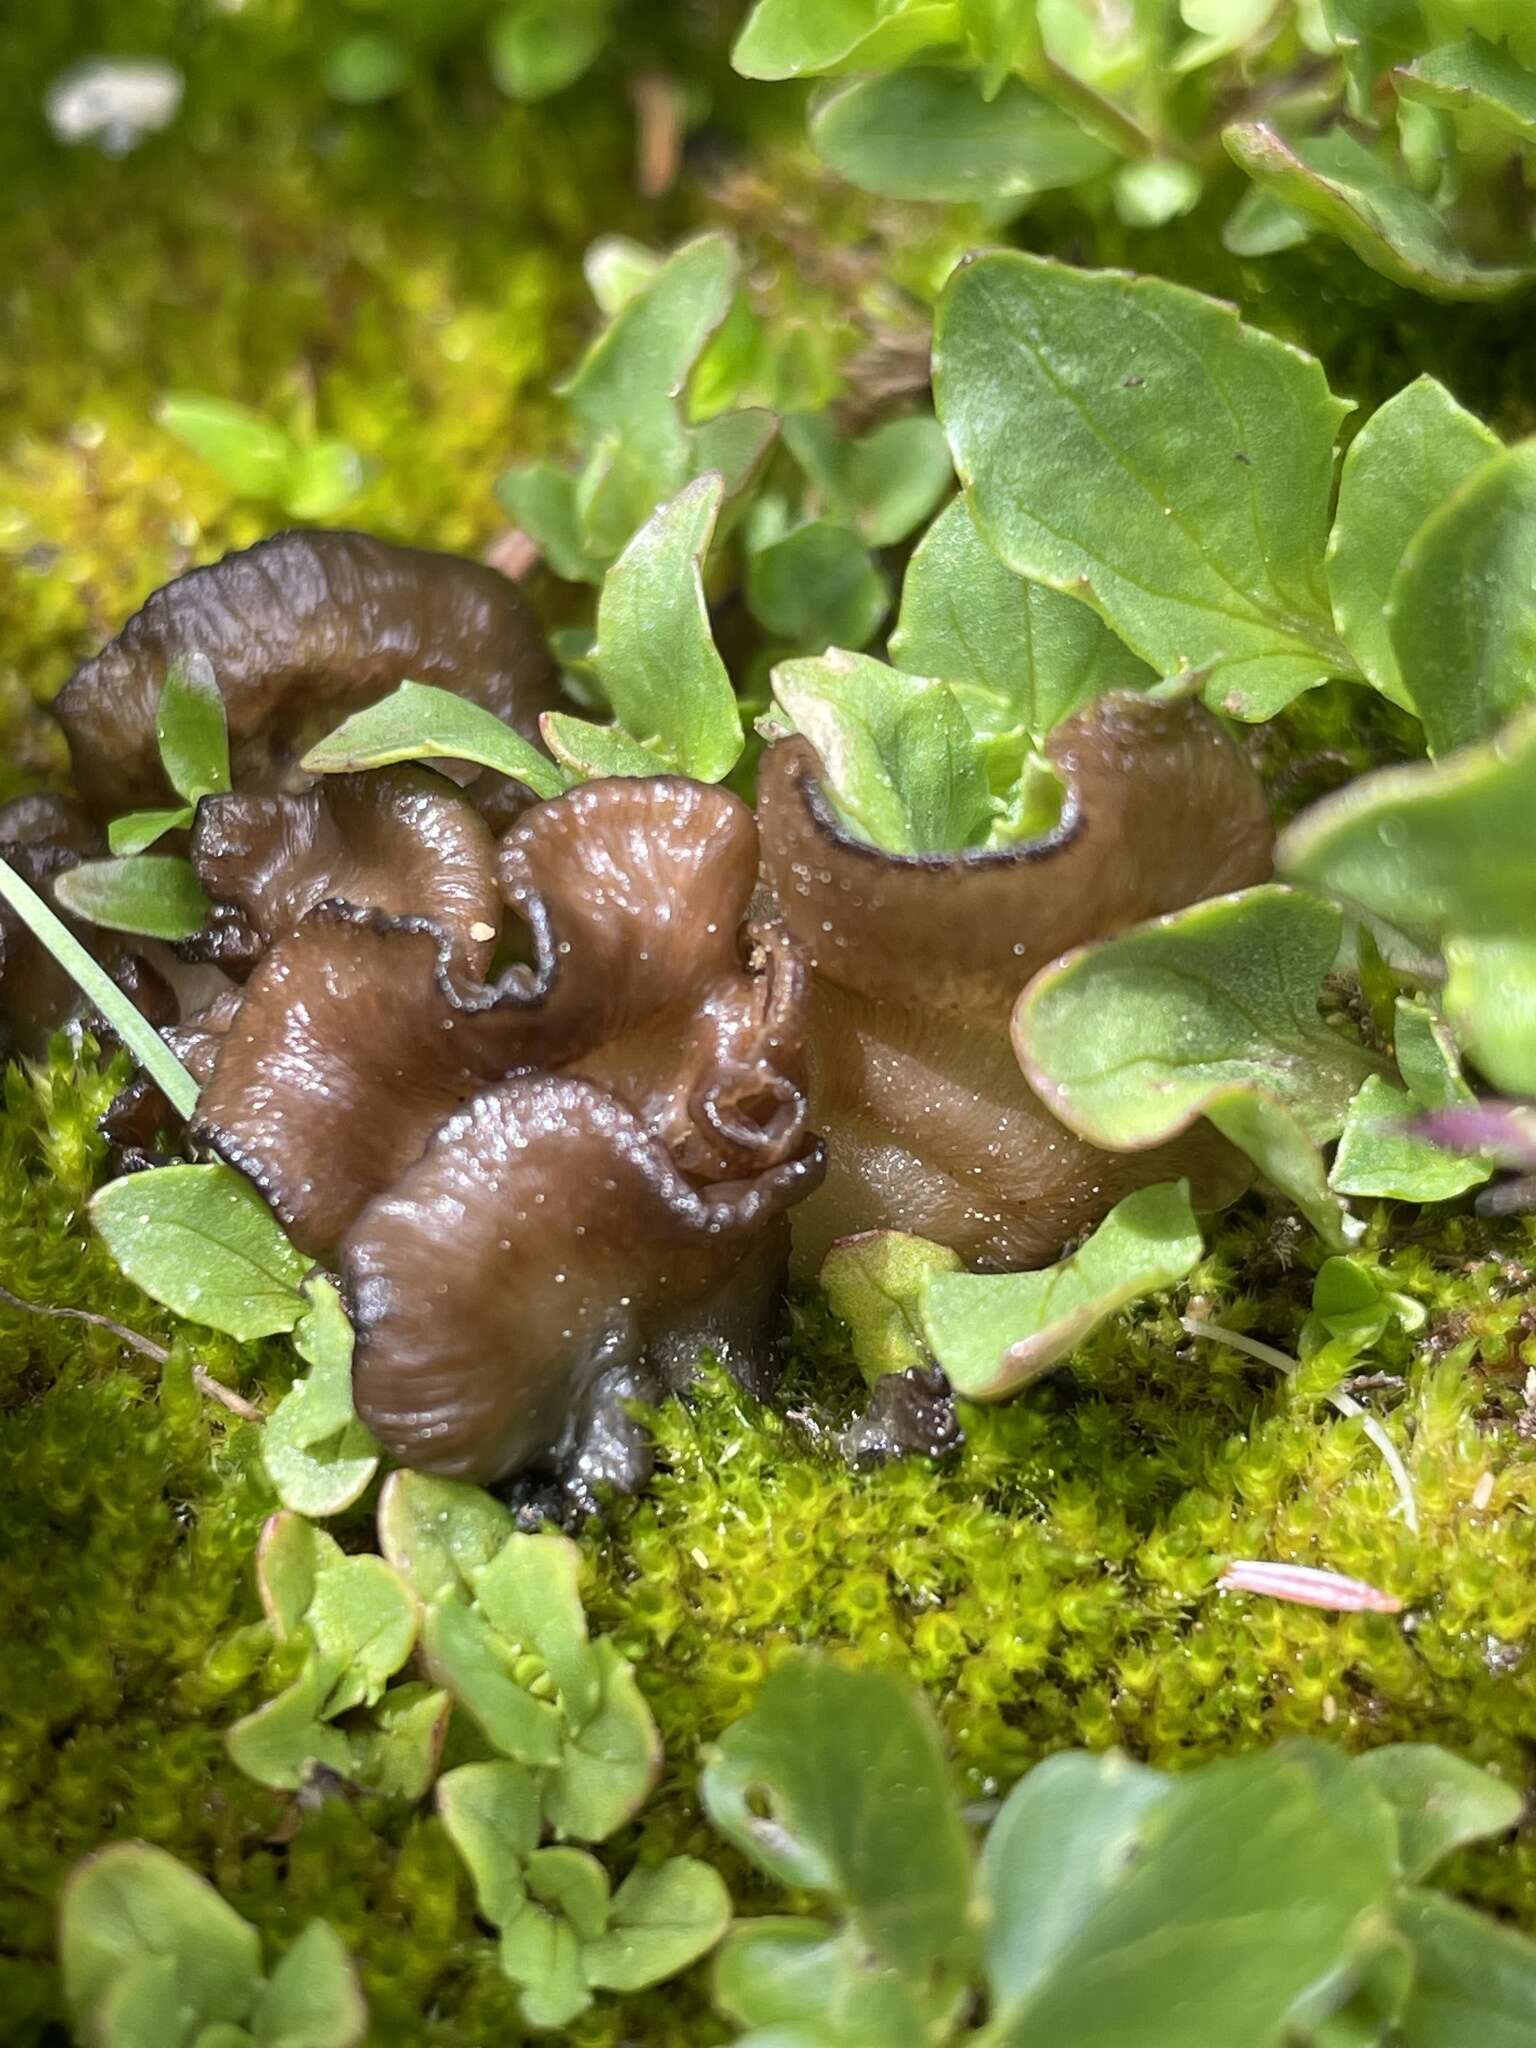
{"x":138,"y":1035}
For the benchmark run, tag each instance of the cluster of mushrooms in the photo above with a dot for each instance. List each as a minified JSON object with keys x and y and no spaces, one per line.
{"x":543,"y":1081}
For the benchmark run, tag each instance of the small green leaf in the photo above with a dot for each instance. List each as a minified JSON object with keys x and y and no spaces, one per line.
{"x":312,"y":1999}
{"x":572,"y":1883}
{"x":530,"y":1592}
{"x":608,"y":1766}
{"x":397,"y":1756}
{"x":1446,"y":853}
{"x":1336,"y":181}
{"x":463,"y":1655}
{"x":439,"y":1532}
{"x":363,"y":1619}
{"x":289,"y":1554}
{"x":192,"y":730}
{"x":655,"y":654}
{"x":317,"y":1454}
{"x":1474,"y":1980}
{"x":491,"y":1814}
{"x":1442,"y":1802}
{"x":806,"y":1986}
{"x":1476,"y":79}
{"x":1402,"y":466}
{"x":836,"y":1782}
{"x":542,"y":499}
{"x":1156,"y":190}
{"x":900,"y":760}
{"x":1016,"y":653}
{"x":895,"y":476}
{"x":1462,"y":609}
{"x":875,"y":1283}
{"x":249,"y":451}
{"x":1131,"y":443}
{"x":322,"y":478}
{"x":280,"y":1743}
{"x":363,"y":69}
{"x":140,"y":829}
{"x":144,"y":2008}
{"x":662,"y":1920}
{"x":152,"y":895}
{"x":1262,"y":225}
{"x":1211,"y":1904}
{"x":200,"y":1240}
{"x":617,"y":269}
{"x":590,"y":751}
{"x":541,"y":1953}
{"x":131,"y":1904}
{"x":804,"y":38}
{"x":420,"y":723}
{"x":1377,"y":1155}
{"x":994,"y":1332}
{"x":1125,"y":1040}
{"x":818,"y":587}
{"x":916,"y":134}
{"x":539,"y":47}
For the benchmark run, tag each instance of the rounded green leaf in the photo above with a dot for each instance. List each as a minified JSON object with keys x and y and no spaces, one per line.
{"x":317,"y":1454}
{"x":363,"y":1618}
{"x":463,"y":1656}
{"x":874,"y":1283}
{"x":250,"y":452}
{"x":130,"y":1904}
{"x":802,"y":38}
{"x":539,"y":47}
{"x":818,"y":587}
{"x":439,"y":1532}
{"x":192,"y":730}
{"x":201,"y":1240}
{"x":916,"y":134}
{"x":282,"y":1741}
{"x":152,"y":894}
{"x":1462,"y":609}
{"x":322,"y":478}
{"x":397,"y":1755}
{"x":1441,"y":1802}
{"x":1474,"y":1980}
{"x":312,"y":1999}
{"x":419,"y":722}
{"x":530,"y":1592}
{"x":994,"y":1332}
{"x":608,"y":1767}
{"x":1133,"y":444}
{"x":1481,"y":81}
{"x":590,"y":751}
{"x":491,"y":1814}
{"x":663,"y":1919}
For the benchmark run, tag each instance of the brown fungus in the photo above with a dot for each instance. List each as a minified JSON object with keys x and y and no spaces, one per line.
{"x":41,"y":837}
{"x":301,"y":629}
{"x":400,"y":840}
{"x":918,"y":959}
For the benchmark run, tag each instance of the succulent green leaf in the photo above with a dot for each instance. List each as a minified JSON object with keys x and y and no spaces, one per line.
{"x":191,"y":729}
{"x":541,"y":1954}
{"x":1133,"y":444}
{"x":154,"y":895}
{"x":935,"y":134}
{"x":539,"y":47}
{"x":1462,"y":609}
{"x":1337,"y":182}
{"x":1209,"y":1012}
{"x":818,"y":587}
{"x":130,"y":1905}
{"x":809,"y":38}
{"x":281,"y":1742}
{"x":875,"y":1284}
{"x":396,"y":1756}
{"x":1404,"y":463}
{"x":463,"y":1656}
{"x":836,"y":1782}
{"x":1211,"y":1908}
{"x":202,"y":1242}
{"x":572,"y":1883}
{"x":895,"y":476}
{"x":1474,"y":1981}
{"x":363,"y":1618}
{"x":1446,"y":852}
{"x":144,"y":2008}
{"x":542,"y":499}
{"x":250,"y":452}
{"x":491,"y":1814}
{"x":629,"y":382}
{"x":663,"y":1918}
{"x":608,"y":1766}
{"x":419,"y":722}
{"x":1475,"y":79}
{"x":655,"y":654}
{"x":806,"y":1986}
{"x":439,"y":1532}
{"x":589,"y":750}
{"x":140,"y":829}
{"x":322,"y":478}
{"x":1016,"y":653}
{"x":289,"y":1554}
{"x":1377,"y":1154}
{"x":312,"y":1999}
{"x":318,"y":1456}
{"x":901,"y":762}
{"x":1442,"y":1802}
{"x":530,"y":1592}
{"x":994,"y":1332}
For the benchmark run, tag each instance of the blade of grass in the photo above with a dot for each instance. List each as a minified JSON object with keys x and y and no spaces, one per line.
{"x":136,"y":1033}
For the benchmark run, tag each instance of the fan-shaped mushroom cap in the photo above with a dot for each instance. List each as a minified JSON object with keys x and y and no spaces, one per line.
{"x":301,"y":629}
{"x":41,"y":837}
{"x":400,"y":840}
{"x":918,"y":959}
{"x":357,"y":1037}
{"x":545,"y":1241}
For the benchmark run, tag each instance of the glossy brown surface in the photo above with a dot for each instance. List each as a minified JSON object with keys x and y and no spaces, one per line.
{"x":301,"y":629}
{"x":401,"y":840}
{"x":545,"y":1242}
{"x":918,"y":959}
